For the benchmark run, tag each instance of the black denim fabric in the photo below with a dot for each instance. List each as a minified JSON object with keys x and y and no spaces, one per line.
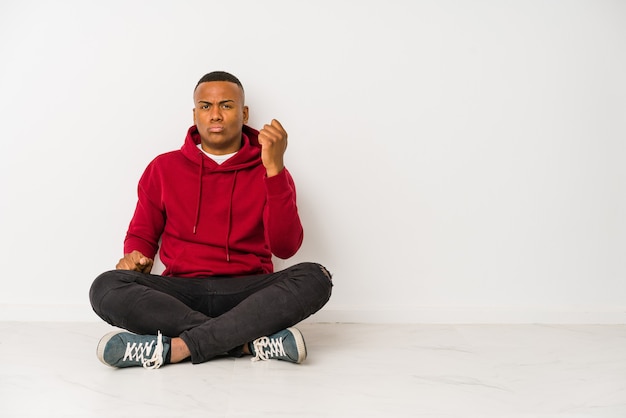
{"x":214,"y":315}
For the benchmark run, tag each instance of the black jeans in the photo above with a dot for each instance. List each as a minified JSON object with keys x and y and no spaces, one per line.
{"x":214,"y":315}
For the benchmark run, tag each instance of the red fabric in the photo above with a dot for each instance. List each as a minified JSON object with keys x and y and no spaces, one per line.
{"x":214,"y":220}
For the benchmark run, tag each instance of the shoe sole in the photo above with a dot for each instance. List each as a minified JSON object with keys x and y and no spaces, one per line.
{"x":300,"y":344}
{"x":102,"y":344}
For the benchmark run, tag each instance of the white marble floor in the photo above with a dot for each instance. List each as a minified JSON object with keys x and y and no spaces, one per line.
{"x":353,"y":370}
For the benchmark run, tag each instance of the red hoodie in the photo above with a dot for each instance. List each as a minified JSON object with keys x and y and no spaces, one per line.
{"x":215,"y":220}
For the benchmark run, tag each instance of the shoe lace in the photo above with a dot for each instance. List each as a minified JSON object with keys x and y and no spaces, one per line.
{"x":266,"y":348}
{"x":136,"y":352}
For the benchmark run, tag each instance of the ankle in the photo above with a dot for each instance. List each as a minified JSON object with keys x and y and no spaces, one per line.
{"x":178,"y":350}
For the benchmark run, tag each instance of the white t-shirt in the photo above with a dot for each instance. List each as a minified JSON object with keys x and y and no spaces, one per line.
{"x":219,"y":159}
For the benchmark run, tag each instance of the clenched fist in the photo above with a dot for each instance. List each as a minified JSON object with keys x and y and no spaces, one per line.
{"x":135,"y":261}
{"x":273,"y":140}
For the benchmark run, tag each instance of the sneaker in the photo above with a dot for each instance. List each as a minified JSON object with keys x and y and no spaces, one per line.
{"x":285,"y":345}
{"x":123,"y":349}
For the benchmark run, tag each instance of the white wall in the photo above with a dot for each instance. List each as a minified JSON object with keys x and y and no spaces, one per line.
{"x":456,"y":161}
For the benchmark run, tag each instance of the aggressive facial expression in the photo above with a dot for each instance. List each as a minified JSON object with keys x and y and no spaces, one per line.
{"x":219,"y":114}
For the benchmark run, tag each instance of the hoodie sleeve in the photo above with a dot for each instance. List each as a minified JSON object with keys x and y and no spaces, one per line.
{"x":148,"y":221}
{"x":282,"y":222}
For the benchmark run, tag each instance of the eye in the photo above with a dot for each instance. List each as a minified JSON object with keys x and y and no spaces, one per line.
{"x":227,"y":106}
{"x":204,"y":106}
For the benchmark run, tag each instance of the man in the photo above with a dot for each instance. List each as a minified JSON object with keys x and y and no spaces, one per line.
{"x":216,"y":210}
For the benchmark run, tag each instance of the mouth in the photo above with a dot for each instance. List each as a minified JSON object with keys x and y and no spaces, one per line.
{"x":216,"y":128}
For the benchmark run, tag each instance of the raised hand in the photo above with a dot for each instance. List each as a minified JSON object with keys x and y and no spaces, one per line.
{"x":273,"y":140}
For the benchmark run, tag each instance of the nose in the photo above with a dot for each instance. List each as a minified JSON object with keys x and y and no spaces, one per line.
{"x":215,"y":113}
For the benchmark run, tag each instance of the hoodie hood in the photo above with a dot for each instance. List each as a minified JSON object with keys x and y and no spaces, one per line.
{"x":247,"y":156}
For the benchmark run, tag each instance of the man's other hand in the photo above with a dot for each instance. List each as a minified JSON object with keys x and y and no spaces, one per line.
{"x":135,"y":261}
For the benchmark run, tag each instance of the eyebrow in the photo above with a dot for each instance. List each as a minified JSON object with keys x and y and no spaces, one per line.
{"x":222,"y":102}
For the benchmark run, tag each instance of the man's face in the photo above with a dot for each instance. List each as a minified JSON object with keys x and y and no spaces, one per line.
{"x":219,"y":114}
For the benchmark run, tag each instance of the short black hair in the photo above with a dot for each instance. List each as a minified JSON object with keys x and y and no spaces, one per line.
{"x":219,"y":76}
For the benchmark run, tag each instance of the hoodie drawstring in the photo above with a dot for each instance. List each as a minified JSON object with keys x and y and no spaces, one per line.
{"x":195,"y":225}
{"x":230,"y":216}
{"x":230,"y":207}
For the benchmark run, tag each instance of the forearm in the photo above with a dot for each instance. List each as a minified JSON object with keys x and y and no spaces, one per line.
{"x":146,"y":226}
{"x":283,"y":225}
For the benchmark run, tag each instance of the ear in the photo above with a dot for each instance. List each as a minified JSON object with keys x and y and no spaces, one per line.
{"x":194,"y":115}
{"x":245,"y":114}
